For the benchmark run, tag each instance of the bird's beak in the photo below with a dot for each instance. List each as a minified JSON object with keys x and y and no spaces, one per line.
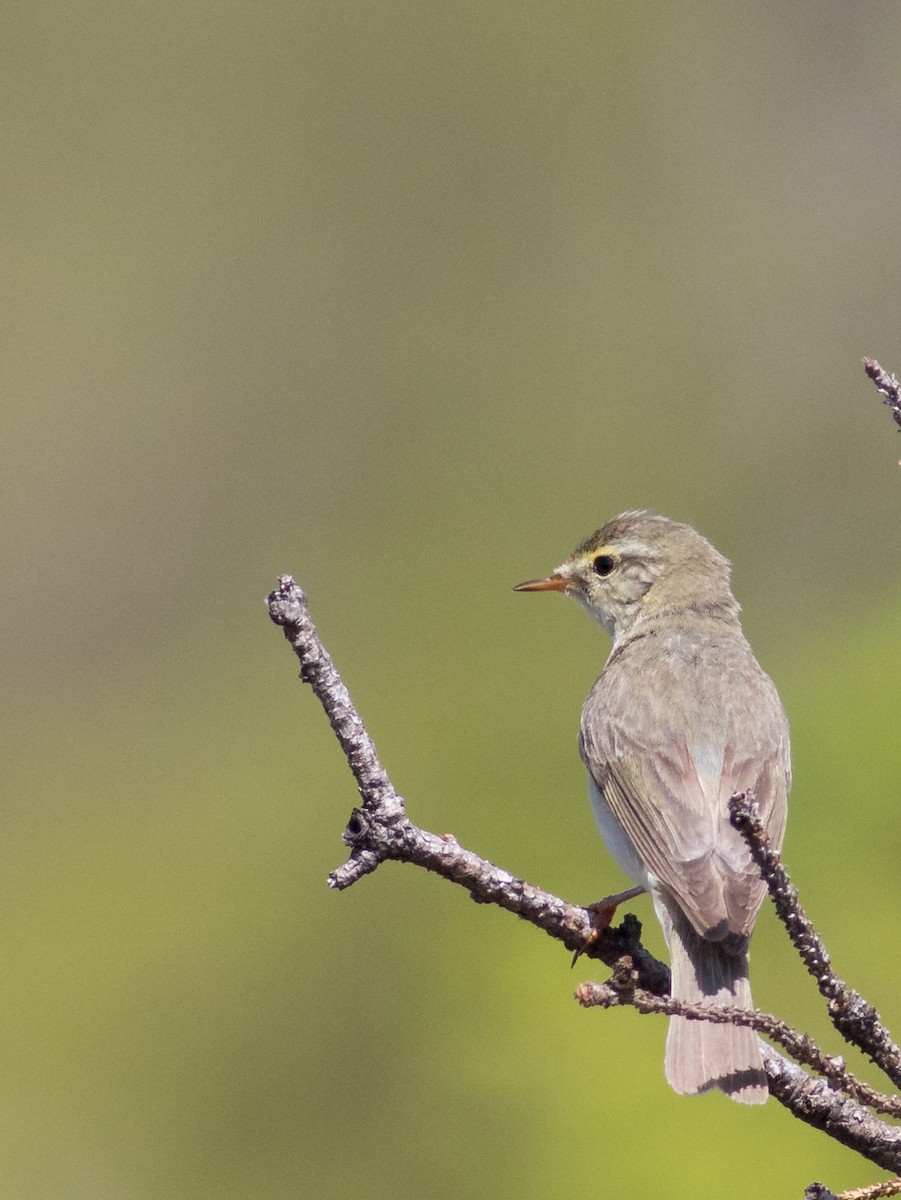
{"x":553,"y":583}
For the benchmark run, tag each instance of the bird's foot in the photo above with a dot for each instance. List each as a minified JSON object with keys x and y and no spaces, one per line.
{"x":601,"y":915}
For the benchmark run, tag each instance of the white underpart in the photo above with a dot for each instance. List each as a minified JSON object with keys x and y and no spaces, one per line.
{"x":623,"y":853}
{"x":620,"y":847}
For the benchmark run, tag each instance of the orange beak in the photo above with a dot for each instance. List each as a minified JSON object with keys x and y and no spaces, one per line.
{"x":553,"y":583}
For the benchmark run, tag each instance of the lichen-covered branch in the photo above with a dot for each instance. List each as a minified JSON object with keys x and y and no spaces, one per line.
{"x":876,"y":1191}
{"x":288,"y":608}
{"x":888,"y":385}
{"x":857,"y":1021}
{"x":379,"y":830}
{"x":622,"y":988}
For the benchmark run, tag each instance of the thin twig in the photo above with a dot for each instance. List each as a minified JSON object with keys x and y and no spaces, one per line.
{"x":888,"y":385}
{"x":288,"y":608}
{"x":857,"y":1021}
{"x":876,"y":1191}
{"x":622,"y":989}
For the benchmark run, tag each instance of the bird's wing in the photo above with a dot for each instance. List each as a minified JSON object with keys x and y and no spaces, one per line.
{"x":672,"y":802}
{"x":683,"y":836}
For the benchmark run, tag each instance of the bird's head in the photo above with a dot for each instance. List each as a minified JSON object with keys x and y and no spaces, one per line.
{"x":640,"y":565}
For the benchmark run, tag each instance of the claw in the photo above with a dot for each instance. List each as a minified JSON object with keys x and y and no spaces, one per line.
{"x":601,"y":915}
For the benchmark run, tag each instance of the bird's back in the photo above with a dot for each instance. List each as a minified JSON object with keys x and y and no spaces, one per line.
{"x":681,"y":718}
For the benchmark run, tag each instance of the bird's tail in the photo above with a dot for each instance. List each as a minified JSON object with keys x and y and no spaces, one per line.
{"x":700,"y":1055}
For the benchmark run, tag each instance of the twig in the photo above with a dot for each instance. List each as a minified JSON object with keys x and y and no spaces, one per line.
{"x":622,"y":989}
{"x":380,"y":830}
{"x":815,"y":1102}
{"x":891,"y":1187}
{"x":876,"y":1191}
{"x":288,"y":608}
{"x":857,"y":1021}
{"x":888,"y":385}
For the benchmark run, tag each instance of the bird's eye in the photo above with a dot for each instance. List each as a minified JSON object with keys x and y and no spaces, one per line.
{"x":604,"y":564}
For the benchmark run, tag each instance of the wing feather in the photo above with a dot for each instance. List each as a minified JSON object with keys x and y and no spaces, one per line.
{"x":669,"y":790}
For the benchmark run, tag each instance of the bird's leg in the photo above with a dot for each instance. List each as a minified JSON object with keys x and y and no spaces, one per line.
{"x":602,"y":914}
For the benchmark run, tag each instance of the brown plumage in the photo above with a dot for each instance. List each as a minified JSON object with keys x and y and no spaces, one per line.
{"x":681,"y":718}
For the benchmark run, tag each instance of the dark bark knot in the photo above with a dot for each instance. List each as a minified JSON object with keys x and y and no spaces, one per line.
{"x":357,"y":828}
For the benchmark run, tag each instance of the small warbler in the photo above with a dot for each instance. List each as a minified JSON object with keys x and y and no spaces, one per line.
{"x":681,"y":718}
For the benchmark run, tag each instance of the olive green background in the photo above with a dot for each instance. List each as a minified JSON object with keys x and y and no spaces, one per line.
{"x":405,"y":299}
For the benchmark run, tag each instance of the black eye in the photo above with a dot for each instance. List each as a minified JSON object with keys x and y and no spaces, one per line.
{"x":604,"y":564}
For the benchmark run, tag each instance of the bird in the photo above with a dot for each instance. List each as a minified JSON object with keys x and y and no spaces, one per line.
{"x":681,"y":718}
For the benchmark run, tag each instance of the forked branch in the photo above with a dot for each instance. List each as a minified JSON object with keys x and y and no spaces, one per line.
{"x":857,"y":1021}
{"x":379,"y":829}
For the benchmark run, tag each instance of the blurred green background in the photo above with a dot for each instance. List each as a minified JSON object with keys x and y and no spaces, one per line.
{"x":405,"y":300}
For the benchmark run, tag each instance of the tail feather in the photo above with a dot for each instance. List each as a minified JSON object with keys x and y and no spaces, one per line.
{"x":700,"y":1055}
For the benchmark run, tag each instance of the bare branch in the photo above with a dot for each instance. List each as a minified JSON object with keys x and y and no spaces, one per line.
{"x":380,"y":830}
{"x":876,"y":1191}
{"x":288,"y":608}
{"x":815,"y":1102}
{"x":888,"y":385}
{"x":856,"y":1020}
{"x":622,"y":989}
